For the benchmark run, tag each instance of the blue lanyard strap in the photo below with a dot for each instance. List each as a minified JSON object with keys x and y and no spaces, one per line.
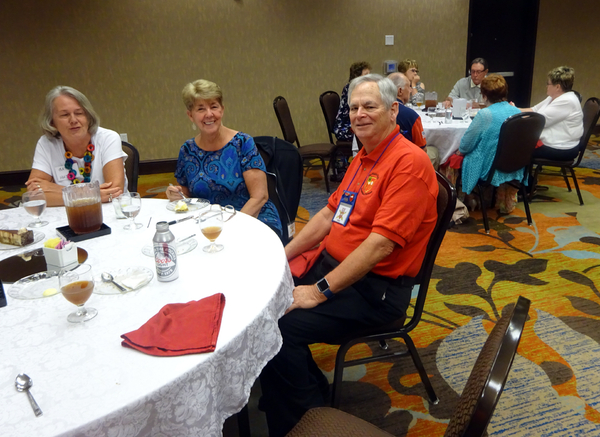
{"x":376,"y":161}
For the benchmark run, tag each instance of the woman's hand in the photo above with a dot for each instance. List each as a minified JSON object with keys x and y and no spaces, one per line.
{"x":108,"y":192}
{"x":35,"y":184}
{"x":174,"y":192}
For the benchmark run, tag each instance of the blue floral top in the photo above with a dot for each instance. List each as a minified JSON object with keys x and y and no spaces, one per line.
{"x":218,"y":176}
{"x":342,"y":128}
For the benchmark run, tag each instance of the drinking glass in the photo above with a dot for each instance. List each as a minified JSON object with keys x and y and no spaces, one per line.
{"x":34,"y":203}
{"x":419,"y":100}
{"x":431,"y":112}
{"x":76,"y":286}
{"x":211,"y":224}
{"x":130,"y":204}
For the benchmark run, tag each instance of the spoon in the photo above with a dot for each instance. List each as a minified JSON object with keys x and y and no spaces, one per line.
{"x":185,"y":199}
{"x":107,"y":277}
{"x":24,"y":383}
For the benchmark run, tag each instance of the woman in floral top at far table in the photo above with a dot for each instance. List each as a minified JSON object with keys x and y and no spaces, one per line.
{"x":342,"y":128}
{"x":221,"y":164}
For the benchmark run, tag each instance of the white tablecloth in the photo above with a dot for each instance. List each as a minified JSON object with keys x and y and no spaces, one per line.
{"x":87,"y":384}
{"x":446,"y":137}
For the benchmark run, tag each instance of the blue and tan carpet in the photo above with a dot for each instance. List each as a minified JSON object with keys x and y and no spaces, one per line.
{"x":554,"y":385}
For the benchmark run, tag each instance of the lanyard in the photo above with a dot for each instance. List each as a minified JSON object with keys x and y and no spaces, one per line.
{"x":378,"y":158}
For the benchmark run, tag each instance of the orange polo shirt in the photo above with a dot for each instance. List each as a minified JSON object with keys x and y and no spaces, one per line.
{"x":397,"y":199}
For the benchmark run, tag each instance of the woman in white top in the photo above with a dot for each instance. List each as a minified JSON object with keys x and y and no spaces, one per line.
{"x":564,"y":118}
{"x":74,"y":149}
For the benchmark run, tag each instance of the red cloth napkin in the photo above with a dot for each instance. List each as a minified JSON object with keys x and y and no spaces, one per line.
{"x":303,"y":262}
{"x":455,"y":161}
{"x":180,"y":329}
{"x":539,"y":144}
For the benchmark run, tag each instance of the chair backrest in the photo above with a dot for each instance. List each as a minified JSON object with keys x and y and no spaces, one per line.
{"x":330,"y":103}
{"x":446,"y":202}
{"x":488,"y":377}
{"x":284,"y":117}
{"x":132,"y":166}
{"x":284,"y":178}
{"x":519,"y":135}
{"x":591,"y":112}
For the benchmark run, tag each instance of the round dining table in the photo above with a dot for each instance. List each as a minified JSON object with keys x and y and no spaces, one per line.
{"x":88,"y":384}
{"x":444,"y":136}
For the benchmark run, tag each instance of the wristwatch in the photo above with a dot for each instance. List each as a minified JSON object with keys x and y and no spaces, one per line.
{"x":323,"y":287}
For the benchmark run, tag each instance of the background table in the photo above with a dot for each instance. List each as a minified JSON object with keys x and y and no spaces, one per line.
{"x":446,"y":137}
{"x":86,"y":383}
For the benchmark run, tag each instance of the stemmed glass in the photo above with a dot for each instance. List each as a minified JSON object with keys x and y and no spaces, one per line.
{"x":211,"y":224}
{"x":34,"y":203}
{"x":77,"y":286}
{"x":419,"y":100}
{"x":130,"y":204}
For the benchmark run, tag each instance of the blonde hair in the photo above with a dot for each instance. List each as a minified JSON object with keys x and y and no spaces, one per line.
{"x":563,"y":76}
{"x":201,"y":89}
{"x":407,"y":64}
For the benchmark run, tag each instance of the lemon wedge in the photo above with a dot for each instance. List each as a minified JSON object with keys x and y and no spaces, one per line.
{"x":49,"y":292}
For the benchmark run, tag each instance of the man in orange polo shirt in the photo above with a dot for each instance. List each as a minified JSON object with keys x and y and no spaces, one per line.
{"x":373,"y":233}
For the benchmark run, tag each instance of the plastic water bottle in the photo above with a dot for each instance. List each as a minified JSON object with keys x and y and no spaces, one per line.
{"x":165,"y":253}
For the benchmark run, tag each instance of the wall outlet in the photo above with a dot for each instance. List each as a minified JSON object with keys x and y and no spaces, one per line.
{"x":124,"y":138}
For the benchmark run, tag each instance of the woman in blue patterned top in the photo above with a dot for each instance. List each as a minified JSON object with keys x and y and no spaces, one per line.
{"x":480,"y":142}
{"x":221,"y":164}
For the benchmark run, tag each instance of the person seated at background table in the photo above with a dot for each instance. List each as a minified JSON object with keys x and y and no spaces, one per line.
{"x":564,"y":118}
{"x":373,"y":234}
{"x":480,"y":142}
{"x":469,"y":87}
{"x":410,"y":69}
{"x":342,"y":128}
{"x":221,"y":164}
{"x":409,"y":121}
{"x":74,"y":149}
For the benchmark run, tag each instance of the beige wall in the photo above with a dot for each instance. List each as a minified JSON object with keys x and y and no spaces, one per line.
{"x":568,"y":36}
{"x":132,"y":58}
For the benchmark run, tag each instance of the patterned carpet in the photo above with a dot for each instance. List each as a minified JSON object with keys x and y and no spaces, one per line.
{"x":554,"y":385}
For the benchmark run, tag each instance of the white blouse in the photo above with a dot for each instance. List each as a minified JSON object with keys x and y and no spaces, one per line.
{"x":564,"y":121}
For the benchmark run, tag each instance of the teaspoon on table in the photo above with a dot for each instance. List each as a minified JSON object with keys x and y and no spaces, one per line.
{"x":107,"y":277}
{"x":24,"y":383}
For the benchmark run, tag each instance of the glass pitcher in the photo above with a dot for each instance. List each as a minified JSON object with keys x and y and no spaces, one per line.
{"x":84,"y":207}
{"x":431,"y":99}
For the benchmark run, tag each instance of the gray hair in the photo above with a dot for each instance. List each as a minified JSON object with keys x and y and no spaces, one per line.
{"x":399,"y":79}
{"x":46,"y":118}
{"x":387,"y":89}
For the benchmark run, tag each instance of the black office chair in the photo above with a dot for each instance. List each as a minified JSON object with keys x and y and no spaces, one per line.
{"x":284,"y":180}
{"x":477,"y":401}
{"x":591,"y":113}
{"x":446,"y":203}
{"x":321,"y":151}
{"x":132,"y":166}
{"x":519,"y":135}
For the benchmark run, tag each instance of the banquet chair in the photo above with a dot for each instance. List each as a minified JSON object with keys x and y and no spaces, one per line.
{"x":321,"y":151}
{"x":477,"y":401}
{"x":519,"y":135}
{"x":330,"y":103}
{"x":446,"y":202}
{"x":591,"y":112}
{"x":132,"y":166}
{"x":284,"y":180}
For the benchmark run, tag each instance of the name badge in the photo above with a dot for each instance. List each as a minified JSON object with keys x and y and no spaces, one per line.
{"x":61,"y":173}
{"x":344,"y":209}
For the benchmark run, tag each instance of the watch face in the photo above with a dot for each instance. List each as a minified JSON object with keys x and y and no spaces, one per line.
{"x":322,"y":285}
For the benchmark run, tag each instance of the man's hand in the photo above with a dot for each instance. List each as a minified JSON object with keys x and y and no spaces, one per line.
{"x":306,"y":296}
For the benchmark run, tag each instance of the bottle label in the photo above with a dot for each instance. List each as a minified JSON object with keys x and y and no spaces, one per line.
{"x":165,"y":257}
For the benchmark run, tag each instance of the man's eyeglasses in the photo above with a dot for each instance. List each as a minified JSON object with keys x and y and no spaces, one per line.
{"x":477,"y":72}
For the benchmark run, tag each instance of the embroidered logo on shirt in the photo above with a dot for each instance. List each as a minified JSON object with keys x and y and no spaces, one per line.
{"x":369,"y":183}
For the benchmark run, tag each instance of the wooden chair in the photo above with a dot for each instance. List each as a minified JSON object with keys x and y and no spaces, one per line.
{"x":519,"y":135}
{"x":477,"y":401}
{"x":446,"y":203}
{"x":132,"y":166}
{"x":321,"y":151}
{"x":591,"y":113}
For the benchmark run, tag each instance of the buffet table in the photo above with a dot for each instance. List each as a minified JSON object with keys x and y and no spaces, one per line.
{"x":86,"y":383}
